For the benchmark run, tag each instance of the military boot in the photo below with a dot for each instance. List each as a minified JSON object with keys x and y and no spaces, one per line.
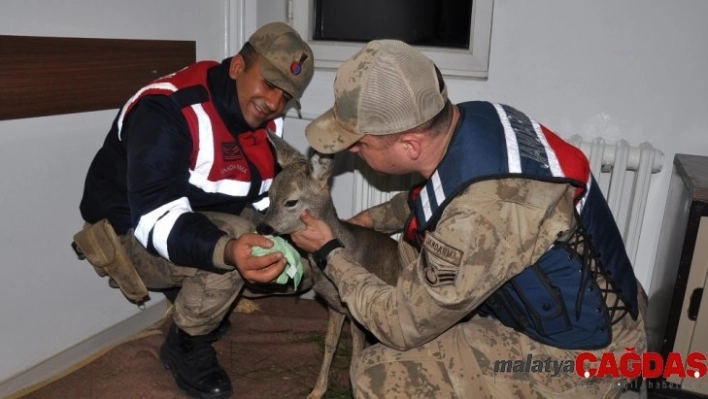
{"x":192,"y":361}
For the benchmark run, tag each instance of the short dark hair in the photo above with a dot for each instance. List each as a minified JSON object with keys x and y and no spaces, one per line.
{"x":249,"y":55}
{"x":436,"y":126}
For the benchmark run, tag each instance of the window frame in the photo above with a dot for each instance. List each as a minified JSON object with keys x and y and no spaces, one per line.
{"x":472,"y":62}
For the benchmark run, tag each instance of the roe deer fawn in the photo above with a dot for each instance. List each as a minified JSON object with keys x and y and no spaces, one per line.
{"x":305,"y":185}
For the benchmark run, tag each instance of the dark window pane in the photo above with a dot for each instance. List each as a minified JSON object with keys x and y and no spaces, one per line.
{"x":437,"y":23}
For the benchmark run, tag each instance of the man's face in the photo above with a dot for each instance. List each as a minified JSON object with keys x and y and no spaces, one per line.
{"x":260,"y":101}
{"x":381,"y":155}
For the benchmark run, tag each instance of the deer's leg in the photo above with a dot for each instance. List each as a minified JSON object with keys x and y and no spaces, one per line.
{"x":334,"y":330}
{"x":358,"y":338}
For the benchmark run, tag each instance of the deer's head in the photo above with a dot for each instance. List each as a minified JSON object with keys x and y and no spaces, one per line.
{"x":301,"y":185}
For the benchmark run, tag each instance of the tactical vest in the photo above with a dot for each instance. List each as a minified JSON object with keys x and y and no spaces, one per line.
{"x":557,"y":300}
{"x":241,"y":167}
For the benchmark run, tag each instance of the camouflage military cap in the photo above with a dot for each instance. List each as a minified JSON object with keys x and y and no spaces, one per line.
{"x":386,"y":87}
{"x":286,"y":60}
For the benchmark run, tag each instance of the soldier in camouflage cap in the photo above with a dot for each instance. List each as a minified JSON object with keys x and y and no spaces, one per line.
{"x":177,"y":186}
{"x":512,"y":264}
{"x":286,"y":61}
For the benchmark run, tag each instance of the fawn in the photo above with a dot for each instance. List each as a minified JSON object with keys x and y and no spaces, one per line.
{"x":305,"y":185}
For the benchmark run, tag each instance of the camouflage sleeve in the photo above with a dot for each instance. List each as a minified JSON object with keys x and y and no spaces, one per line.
{"x":485,"y":236}
{"x":390,"y":216}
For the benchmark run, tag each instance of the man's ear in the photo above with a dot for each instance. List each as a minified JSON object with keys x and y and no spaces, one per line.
{"x":411,"y":144}
{"x":238,"y":65}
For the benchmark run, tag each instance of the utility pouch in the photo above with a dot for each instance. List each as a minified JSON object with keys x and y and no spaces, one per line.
{"x":99,"y":244}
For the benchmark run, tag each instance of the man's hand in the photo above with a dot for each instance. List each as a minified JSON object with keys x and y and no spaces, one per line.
{"x":256,"y":269}
{"x":316,"y":233}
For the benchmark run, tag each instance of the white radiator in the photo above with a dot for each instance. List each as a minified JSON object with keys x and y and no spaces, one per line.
{"x":622,"y":171}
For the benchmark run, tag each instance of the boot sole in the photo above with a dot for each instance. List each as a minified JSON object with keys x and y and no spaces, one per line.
{"x":166,"y":361}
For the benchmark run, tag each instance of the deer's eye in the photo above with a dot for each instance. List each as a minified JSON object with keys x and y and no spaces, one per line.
{"x":290,"y":203}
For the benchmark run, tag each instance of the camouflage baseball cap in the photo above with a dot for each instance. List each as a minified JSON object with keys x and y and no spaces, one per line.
{"x":287,"y":61}
{"x":386,"y":87}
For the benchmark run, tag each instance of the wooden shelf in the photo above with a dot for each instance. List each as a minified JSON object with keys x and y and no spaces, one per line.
{"x":55,"y":75}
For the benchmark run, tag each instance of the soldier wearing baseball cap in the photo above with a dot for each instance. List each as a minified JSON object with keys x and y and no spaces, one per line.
{"x":176,"y":188}
{"x":382,"y":89}
{"x":508,"y":248}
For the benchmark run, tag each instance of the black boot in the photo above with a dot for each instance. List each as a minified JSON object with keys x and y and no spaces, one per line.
{"x":193,"y":364}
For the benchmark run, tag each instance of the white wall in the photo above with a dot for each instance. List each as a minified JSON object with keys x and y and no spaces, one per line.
{"x":49,"y":300}
{"x":633,"y":69}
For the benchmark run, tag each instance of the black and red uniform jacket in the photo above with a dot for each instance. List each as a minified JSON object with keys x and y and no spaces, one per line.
{"x":180,"y":145}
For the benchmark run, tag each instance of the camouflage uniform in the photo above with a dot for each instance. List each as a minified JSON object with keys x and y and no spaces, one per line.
{"x":432,"y":342}
{"x":205,"y":297}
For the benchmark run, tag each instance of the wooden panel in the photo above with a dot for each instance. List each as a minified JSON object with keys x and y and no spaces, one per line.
{"x":53,"y":75}
{"x":693,"y":171}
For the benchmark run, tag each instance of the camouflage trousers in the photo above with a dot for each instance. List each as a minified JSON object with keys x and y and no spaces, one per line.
{"x":205,"y":298}
{"x":464,"y":362}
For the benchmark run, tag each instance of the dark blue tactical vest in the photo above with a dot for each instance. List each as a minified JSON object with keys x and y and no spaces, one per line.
{"x":557,"y":300}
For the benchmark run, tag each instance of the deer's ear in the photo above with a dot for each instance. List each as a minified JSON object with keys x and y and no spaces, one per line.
{"x":322,"y":166}
{"x":285,"y":153}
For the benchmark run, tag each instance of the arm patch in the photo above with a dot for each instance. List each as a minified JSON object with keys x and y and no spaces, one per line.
{"x":442,"y":261}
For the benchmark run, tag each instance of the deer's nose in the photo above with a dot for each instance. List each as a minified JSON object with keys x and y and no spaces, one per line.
{"x":265,"y":229}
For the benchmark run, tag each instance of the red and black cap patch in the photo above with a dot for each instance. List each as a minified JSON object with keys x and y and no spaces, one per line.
{"x":296,"y":66}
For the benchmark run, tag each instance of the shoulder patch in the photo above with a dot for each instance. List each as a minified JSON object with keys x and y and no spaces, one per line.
{"x":443,"y":251}
{"x":442,"y":262}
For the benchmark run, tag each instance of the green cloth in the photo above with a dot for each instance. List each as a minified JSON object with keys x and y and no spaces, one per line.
{"x":294,"y":267}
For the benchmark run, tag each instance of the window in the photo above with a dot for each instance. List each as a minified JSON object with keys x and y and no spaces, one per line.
{"x":453,"y":33}
{"x":418,"y":22}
